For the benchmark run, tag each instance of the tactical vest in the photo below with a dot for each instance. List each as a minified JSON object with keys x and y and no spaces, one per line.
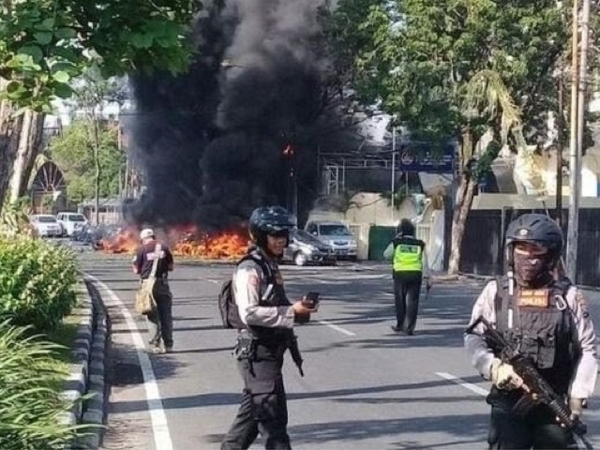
{"x":408,"y":254}
{"x":272,"y":296}
{"x":544,"y":330}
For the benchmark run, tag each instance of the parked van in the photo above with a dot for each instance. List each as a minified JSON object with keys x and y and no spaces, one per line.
{"x":337,"y":235}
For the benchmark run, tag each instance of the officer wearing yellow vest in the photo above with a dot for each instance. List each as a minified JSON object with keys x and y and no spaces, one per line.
{"x":410,"y":268}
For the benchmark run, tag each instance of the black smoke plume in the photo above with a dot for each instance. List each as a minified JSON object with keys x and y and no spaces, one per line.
{"x":254,"y":108}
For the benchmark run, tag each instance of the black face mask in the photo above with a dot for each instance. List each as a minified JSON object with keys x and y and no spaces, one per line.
{"x":533,"y":270}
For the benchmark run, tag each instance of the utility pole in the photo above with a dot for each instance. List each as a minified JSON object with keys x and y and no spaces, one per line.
{"x":559,"y":143}
{"x":574,"y":172}
{"x":393,"y":169}
{"x":583,"y":78}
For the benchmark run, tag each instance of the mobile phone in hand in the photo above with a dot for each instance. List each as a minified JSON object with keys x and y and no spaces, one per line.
{"x":311,"y":299}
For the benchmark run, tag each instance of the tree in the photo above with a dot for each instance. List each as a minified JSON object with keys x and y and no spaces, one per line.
{"x":416,"y":59}
{"x":46,"y":43}
{"x":75,"y":153}
{"x":30,"y":146}
{"x":91,"y":94}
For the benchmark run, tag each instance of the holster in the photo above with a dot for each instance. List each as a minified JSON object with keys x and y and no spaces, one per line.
{"x":245,"y":347}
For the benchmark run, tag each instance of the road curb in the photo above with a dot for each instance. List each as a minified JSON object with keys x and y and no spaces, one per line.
{"x":85,"y":386}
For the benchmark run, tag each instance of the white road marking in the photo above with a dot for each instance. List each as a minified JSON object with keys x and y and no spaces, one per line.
{"x":462,"y":294}
{"x":335,"y":327}
{"x":160,"y":428}
{"x":471,"y":387}
{"x":210,"y":280}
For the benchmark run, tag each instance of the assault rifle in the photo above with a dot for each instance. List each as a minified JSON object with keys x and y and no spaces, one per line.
{"x":292,"y":345}
{"x":540,"y":390}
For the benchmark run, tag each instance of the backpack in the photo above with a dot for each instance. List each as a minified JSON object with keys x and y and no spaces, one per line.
{"x":228,"y":309}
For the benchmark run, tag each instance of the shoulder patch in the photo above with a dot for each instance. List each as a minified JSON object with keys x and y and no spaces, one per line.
{"x":253,"y":280}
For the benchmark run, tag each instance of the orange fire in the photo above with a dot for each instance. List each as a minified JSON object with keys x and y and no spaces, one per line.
{"x":186,"y":242}
{"x":126,"y":241}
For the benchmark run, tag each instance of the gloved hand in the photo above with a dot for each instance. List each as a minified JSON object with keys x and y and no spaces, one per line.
{"x":576,"y":406}
{"x":504,"y":377}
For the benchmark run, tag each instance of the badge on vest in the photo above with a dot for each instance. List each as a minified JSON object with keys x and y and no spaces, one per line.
{"x":535,"y":298}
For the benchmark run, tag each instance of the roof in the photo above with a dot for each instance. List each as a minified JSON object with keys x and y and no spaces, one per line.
{"x":328,"y":222}
{"x":111,"y":202}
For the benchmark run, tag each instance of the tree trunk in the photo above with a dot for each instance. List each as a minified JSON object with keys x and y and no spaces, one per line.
{"x":466,"y":191}
{"x":10,"y":127}
{"x":98,"y":169}
{"x":30,"y":143}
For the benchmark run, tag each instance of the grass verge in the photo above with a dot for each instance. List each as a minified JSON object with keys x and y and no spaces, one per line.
{"x":61,"y":359}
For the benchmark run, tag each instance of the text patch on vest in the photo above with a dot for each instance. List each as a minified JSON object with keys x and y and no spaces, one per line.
{"x":409,"y":248}
{"x":535,"y":298}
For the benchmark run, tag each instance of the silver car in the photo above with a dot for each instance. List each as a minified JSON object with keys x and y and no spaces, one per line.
{"x":46,"y":225}
{"x":337,"y":235}
{"x":305,"y":249}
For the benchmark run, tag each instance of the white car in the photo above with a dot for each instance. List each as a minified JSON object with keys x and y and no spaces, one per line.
{"x":70,"y":222}
{"x":46,"y":225}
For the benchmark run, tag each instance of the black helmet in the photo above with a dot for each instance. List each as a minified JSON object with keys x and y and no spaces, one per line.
{"x":405,"y":227}
{"x":269,"y":220}
{"x":537,"y":229}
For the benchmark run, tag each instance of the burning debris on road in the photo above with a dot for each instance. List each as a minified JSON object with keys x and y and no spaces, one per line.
{"x":184,"y":241}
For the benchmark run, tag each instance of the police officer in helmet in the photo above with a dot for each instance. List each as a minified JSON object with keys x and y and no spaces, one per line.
{"x":547,"y":319}
{"x":410,"y":268}
{"x":265,"y":309}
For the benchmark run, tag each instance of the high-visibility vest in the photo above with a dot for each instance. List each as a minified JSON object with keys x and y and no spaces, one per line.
{"x":408,"y":255}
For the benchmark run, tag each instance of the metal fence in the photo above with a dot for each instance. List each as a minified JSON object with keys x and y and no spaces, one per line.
{"x":483,"y":242}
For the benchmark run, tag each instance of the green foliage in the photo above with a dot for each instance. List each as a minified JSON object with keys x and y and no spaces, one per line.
{"x":46,"y":43}
{"x":14,"y":221}
{"x":37,"y":281}
{"x":30,"y":409}
{"x":73,"y":152}
{"x":483,"y":166}
{"x":416,"y":57}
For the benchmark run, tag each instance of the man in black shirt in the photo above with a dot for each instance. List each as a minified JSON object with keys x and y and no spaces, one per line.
{"x":160,"y":321}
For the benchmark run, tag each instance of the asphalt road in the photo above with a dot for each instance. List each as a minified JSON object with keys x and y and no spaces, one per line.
{"x":364,"y":386}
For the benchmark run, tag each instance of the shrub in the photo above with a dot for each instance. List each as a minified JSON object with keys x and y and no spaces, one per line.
{"x":37,"y":282}
{"x":30,"y":410}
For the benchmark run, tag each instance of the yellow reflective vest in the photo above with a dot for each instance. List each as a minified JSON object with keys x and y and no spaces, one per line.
{"x":408,"y":254}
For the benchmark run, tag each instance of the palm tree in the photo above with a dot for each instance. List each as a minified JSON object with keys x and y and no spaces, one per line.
{"x":486,"y":96}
